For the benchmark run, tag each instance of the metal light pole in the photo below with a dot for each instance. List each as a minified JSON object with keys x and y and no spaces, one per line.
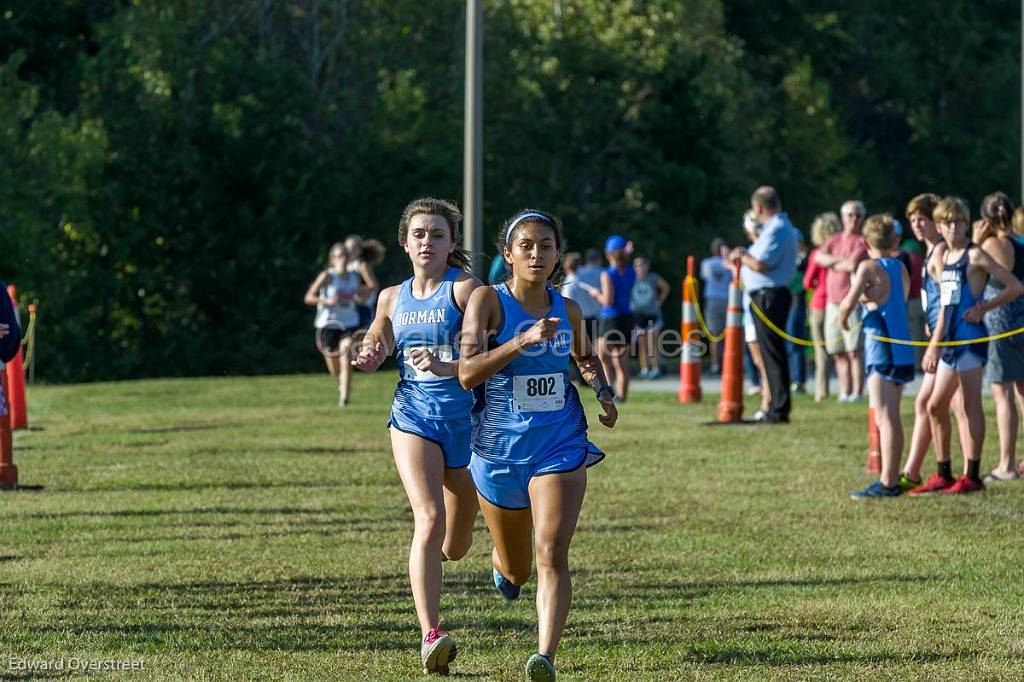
{"x":472,"y":159}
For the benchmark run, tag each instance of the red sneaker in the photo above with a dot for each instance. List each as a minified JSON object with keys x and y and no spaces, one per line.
{"x":963,"y":486}
{"x":934,"y":484}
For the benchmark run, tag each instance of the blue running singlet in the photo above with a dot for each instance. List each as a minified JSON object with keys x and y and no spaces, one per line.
{"x":931,"y":292}
{"x":434,"y":322}
{"x":957,"y":298}
{"x":893,"y":361}
{"x":623,"y":283}
{"x":531,"y":408}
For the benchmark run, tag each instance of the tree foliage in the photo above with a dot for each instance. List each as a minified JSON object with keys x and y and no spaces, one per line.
{"x":172,"y":173}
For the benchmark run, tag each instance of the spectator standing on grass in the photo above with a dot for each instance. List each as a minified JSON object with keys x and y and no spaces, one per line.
{"x":963,"y":270}
{"x":1005,"y":368}
{"x":582,"y":283}
{"x":796,"y":323}
{"x":616,"y":323}
{"x":824,"y":226}
{"x":881,"y":283}
{"x":716,"y":274}
{"x":769,"y":266}
{"x":649,"y":293}
{"x":840,"y":256}
{"x":753,"y":366}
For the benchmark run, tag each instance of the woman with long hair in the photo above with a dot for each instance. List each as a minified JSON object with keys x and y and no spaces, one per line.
{"x":336,"y":293}
{"x":421,"y":319}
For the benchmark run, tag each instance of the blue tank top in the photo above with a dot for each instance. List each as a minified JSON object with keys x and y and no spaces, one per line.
{"x":954,"y":277}
{"x":433,"y":322}
{"x":890,"y":321}
{"x":531,"y":408}
{"x":932,"y":292}
{"x":623,"y":283}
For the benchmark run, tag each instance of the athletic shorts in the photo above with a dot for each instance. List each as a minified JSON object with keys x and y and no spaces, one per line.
{"x":453,"y":436}
{"x":838,"y":341}
{"x":329,"y":338}
{"x":647,"y":322}
{"x":508,"y":485}
{"x":715,"y":313}
{"x":616,"y":331}
{"x":964,"y":362}
{"x":898,"y":374}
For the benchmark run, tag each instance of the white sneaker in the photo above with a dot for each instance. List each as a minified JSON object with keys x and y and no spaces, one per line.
{"x":843,"y":398}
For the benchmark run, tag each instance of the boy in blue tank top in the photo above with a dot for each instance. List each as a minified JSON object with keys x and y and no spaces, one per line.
{"x":531,"y":450}
{"x":881,"y":285}
{"x":430,"y":423}
{"x":955,"y":356}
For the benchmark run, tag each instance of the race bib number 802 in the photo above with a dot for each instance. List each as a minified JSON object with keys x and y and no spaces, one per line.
{"x":539,"y":392}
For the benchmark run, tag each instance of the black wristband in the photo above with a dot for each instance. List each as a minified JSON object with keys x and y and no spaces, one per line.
{"x":604,"y":388}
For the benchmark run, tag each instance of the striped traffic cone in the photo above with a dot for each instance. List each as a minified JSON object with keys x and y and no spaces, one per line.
{"x":730,"y":407}
{"x":8,"y":472}
{"x":689,"y":367}
{"x":874,"y":463}
{"x":16,"y":377}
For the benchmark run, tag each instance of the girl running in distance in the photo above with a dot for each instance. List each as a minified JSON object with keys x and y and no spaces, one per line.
{"x":531,"y":451}
{"x":421,"y":319}
{"x":962,"y":270}
{"x":335,"y":292}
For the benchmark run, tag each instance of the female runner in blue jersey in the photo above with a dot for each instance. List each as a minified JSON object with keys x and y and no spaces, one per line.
{"x":430,"y":419}
{"x":530,"y":450}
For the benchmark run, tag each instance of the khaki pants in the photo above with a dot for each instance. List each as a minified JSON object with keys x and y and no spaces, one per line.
{"x":816,"y":321}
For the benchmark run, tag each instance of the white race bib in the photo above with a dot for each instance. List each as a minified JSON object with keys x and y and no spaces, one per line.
{"x":538,"y":392}
{"x":443,"y":353}
{"x":951,"y":292}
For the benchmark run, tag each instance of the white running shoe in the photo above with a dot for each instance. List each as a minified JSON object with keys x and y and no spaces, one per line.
{"x":437,"y":651}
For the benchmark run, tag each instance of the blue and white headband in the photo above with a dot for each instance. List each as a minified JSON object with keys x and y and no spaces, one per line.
{"x":532,"y":215}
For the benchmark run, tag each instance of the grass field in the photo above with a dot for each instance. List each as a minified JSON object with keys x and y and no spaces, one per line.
{"x":233,"y":529}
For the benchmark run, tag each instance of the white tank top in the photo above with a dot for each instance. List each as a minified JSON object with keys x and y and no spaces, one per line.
{"x":344,"y":314}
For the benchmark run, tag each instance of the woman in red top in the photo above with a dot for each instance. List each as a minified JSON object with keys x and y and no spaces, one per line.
{"x":825,"y":225}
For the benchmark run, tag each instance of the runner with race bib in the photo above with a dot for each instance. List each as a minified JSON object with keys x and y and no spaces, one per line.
{"x":531,"y":450}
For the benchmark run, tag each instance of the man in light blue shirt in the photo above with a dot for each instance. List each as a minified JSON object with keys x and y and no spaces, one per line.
{"x":768,"y":267}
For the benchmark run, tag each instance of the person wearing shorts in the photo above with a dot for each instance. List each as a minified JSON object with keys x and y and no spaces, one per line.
{"x":615,"y":327}
{"x":716,"y":275}
{"x":839,"y":255}
{"x":882,"y":283}
{"x":431,"y":419}
{"x":531,"y":450}
{"x":964,"y":270}
{"x":648,"y":295}
{"x":336,"y":292}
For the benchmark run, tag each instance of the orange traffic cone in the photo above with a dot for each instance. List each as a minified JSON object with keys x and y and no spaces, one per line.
{"x":8,"y":472}
{"x":689,"y":366}
{"x":874,"y":464}
{"x":16,"y":378}
{"x":730,"y":407}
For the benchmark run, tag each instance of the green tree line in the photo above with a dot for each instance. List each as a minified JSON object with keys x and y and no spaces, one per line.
{"x":172,"y":173}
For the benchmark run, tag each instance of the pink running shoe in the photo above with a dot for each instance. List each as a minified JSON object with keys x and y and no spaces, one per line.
{"x":437,"y":651}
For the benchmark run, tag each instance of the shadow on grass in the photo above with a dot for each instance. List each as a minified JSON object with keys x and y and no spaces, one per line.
{"x":143,"y":513}
{"x":295,"y":614}
{"x":199,"y":485}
